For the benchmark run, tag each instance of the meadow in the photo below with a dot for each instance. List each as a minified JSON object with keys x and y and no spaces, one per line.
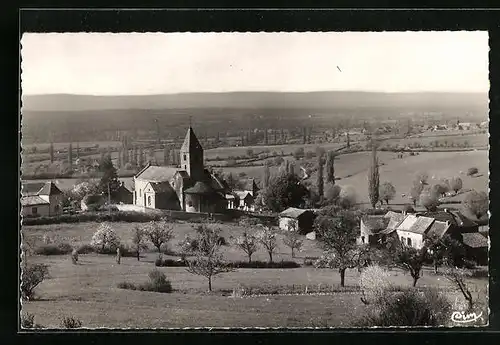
{"x":89,"y":292}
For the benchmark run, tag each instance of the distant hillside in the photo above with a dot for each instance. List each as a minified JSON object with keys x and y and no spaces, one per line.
{"x":257,"y":100}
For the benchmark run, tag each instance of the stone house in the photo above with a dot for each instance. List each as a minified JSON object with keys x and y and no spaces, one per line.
{"x":192,"y":188}
{"x":296,"y":219}
{"x":41,"y":199}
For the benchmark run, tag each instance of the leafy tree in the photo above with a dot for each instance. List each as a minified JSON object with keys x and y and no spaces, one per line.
{"x":411,"y":260}
{"x":109,"y":181}
{"x":105,"y":239}
{"x":320,"y":181}
{"x":373,"y":179}
{"x":387,"y":192}
{"x":159,"y":233}
{"x":166,"y":155}
{"x":429,"y":200}
{"x":439,"y":190}
{"x":332,"y":193}
{"x":292,"y":238}
{"x":208,"y":261}
{"x":32,"y":276}
{"x":337,"y":235}
{"x":330,"y":170}
{"x":231,"y":181}
{"x":248,"y":244}
{"x":347,"y":197}
{"x":138,"y":237}
{"x":284,"y":190}
{"x":267,"y":237}
{"x":443,"y":250}
{"x":415,"y":191}
{"x":456,"y":184}
{"x":476,"y":203}
{"x":320,"y":151}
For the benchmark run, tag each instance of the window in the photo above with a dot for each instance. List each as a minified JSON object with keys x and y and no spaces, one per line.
{"x":409,"y":242}
{"x":34,"y":210}
{"x":140,"y":193}
{"x":185,"y":167}
{"x":149,"y":200}
{"x":362,"y":239}
{"x":184,"y":156}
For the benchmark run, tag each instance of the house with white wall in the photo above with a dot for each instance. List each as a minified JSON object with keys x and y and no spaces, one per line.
{"x":41,"y":199}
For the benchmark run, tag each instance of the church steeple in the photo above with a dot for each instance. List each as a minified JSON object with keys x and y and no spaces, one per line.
{"x":191,"y":156}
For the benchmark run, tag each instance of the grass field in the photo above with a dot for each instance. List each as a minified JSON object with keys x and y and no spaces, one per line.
{"x":88,"y":291}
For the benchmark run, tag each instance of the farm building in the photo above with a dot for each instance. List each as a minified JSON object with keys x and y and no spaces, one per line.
{"x":191,"y":188}
{"x":41,"y":199}
{"x":476,"y":247}
{"x":243,"y":198}
{"x":122,"y":195}
{"x":246,"y":200}
{"x":372,"y":229}
{"x":296,"y":219}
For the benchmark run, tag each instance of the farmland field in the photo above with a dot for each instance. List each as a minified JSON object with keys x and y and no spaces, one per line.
{"x":88,"y":291}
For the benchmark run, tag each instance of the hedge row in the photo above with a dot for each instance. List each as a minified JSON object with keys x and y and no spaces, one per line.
{"x":120,"y":216}
{"x":236,"y":264}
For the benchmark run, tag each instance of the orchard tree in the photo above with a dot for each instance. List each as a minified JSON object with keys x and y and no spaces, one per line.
{"x":456,"y":184}
{"x":248,"y":243}
{"x":208,"y":261}
{"x":337,"y":235}
{"x":416,"y":191}
{"x":292,"y":238}
{"x":443,"y":250}
{"x":159,"y":233}
{"x":105,"y":239}
{"x":411,"y":260}
{"x":476,"y":203}
{"x":138,"y":240}
{"x":267,"y":238}
{"x":429,"y":200}
{"x":347,"y":197}
{"x":387,"y":192}
{"x":373,"y":179}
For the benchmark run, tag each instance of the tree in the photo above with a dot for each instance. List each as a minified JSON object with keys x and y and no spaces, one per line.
{"x":51,"y":152}
{"x":439,"y":190}
{"x":415,"y":191}
{"x":284,"y":190}
{"x":208,"y":261}
{"x":332,"y":193}
{"x":292,"y":238}
{"x":443,"y":250}
{"x":320,"y":182}
{"x":105,"y":239}
{"x":456,"y":184}
{"x":429,"y":200}
{"x":476,"y":203}
{"x":32,"y":276}
{"x":472,"y":171}
{"x":411,"y":260}
{"x":138,"y":240}
{"x":373,"y":179}
{"x":248,"y":244}
{"x":458,"y":277}
{"x":266,"y":177}
{"x":267,"y":237}
{"x":387,"y":192}
{"x":109,"y":182}
{"x":337,"y":235}
{"x":159,"y":233}
{"x":330,"y":170}
{"x":347,"y":197}
{"x":70,"y":155}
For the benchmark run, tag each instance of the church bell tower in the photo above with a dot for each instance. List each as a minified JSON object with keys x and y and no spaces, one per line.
{"x":191,"y":156}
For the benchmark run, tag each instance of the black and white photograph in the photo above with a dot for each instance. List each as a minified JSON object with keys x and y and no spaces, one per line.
{"x":223,"y":180}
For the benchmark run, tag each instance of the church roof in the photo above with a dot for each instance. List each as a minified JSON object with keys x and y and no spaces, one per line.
{"x":156,"y":173}
{"x":200,"y":188}
{"x":161,"y":187}
{"x":191,"y":142}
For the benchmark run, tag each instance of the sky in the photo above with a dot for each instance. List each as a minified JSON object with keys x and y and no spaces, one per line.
{"x":159,"y":63}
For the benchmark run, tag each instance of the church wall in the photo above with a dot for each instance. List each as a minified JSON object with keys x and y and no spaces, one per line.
{"x":140,"y":186}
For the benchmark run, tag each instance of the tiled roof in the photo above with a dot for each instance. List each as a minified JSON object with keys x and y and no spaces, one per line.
{"x":438,"y":228}
{"x":33,"y":200}
{"x":191,"y":142}
{"x":161,"y":187}
{"x":407,"y":223}
{"x":156,"y":173}
{"x":375,"y":223}
{"x":50,"y":188}
{"x":474,"y":240}
{"x":454,"y":217}
{"x":394,"y":219}
{"x":32,"y":188}
{"x":200,"y":188}
{"x":421,"y":225}
{"x":293,"y":212}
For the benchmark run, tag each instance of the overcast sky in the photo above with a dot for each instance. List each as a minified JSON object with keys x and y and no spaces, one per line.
{"x":156,"y":63}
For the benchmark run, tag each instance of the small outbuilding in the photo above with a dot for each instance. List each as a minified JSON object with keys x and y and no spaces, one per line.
{"x":297,"y":219}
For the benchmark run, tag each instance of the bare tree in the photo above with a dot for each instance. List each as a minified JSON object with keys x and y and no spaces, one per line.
{"x":247,"y":243}
{"x":267,"y":237}
{"x":138,"y":237}
{"x":208,"y":261}
{"x":159,"y":233}
{"x":292,"y":238}
{"x":458,"y":276}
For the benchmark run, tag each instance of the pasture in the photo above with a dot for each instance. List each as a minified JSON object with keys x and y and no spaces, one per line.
{"x":88,"y":291}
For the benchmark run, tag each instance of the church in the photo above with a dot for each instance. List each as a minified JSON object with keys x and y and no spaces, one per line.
{"x":190,"y":188}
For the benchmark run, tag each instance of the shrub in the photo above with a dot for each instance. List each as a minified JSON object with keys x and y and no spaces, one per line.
{"x":170,"y":263}
{"x":54,"y":249}
{"x":265,"y":264}
{"x":472,"y":171}
{"x":32,"y":276}
{"x":374,"y":281}
{"x":157,"y":282}
{"x":71,"y":322}
{"x":409,"y":308}
{"x":85,"y":249}
{"x":28,"y":321}
{"x":126,"y":285}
